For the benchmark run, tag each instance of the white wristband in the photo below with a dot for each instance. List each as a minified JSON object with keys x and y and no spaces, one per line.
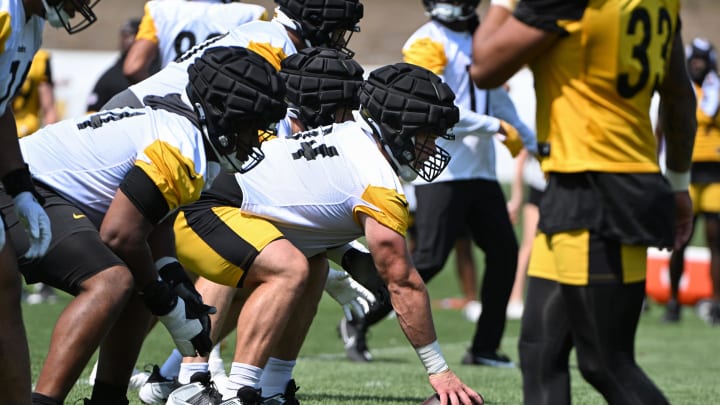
{"x":679,"y":181}
{"x":432,"y":358}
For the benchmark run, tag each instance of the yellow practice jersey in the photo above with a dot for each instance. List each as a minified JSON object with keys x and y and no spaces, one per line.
{"x":26,"y":105}
{"x":707,"y":140}
{"x":595,"y":84}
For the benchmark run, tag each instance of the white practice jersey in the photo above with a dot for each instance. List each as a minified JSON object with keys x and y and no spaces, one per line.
{"x":312,"y":186}
{"x":20,"y":38}
{"x":86,"y":159}
{"x":448,"y":54}
{"x":178,"y":26}
{"x":268,"y":38}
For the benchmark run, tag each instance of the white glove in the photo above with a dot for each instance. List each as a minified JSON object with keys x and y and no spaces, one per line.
{"x":36,"y":222}
{"x":182,"y":329}
{"x":355,"y":299}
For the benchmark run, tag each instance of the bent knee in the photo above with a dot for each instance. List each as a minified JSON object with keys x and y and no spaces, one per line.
{"x":114,"y":282}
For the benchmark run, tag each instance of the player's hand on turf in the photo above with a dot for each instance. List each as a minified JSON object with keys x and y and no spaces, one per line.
{"x":355,"y":299}
{"x":36,"y":222}
{"x":452,"y":391}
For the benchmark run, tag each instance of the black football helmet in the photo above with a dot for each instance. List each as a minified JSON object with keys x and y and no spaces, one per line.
{"x":701,"y":48}
{"x":399,"y":101}
{"x":82,"y":18}
{"x":320,"y":81}
{"x":450,"y":10}
{"x":238,"y":97}
{"x":327,"y":23}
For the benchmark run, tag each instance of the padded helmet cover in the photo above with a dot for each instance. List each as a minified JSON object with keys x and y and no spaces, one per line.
{"x":319,"y":81}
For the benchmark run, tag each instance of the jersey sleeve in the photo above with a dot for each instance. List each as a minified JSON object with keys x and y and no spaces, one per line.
{"x":427,"y":53}
{"x":172,"y":173}
{"x":391,"y":209}
{"x":147,"y":29}
{"x":550,"y":15}
{"x":272,"y":54}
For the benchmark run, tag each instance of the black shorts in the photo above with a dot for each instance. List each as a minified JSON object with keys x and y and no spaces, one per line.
{"x":632,"y":208}
{"x":535,"y":196}
{"x":76,"y":251}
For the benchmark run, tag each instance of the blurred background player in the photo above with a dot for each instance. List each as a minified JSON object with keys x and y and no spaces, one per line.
{"x":705,"y":174}
{"x":169,"y":29}
{"x":467,"y":195}
{"x":34,"y":104}
{"x":297,"y":24}
{"x":21,"y":24}
{"x":113,"y":80}
{"x":606,"y":200}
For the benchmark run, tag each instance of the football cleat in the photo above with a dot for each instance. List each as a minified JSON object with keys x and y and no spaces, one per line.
{"x":286,"y":398}
{"x":491,"y":359}
{"x":157,"y":388}
{"x":353,"y":337}
{"x":200,"y":391}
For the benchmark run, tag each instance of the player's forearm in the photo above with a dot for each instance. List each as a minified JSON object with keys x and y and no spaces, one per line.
{"x":678,"y":122}
{"x":10,"y":156}
{"x":411,"y":303}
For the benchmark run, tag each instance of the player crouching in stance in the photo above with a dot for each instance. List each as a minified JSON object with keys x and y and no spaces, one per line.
{"x":287,"y":219}
{"x":110,"y":183}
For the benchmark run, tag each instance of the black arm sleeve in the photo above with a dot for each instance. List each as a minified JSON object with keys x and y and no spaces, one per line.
{"x":143,"y":193}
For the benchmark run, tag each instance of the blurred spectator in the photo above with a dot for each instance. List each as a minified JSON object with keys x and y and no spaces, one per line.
{"x":113,"y":80}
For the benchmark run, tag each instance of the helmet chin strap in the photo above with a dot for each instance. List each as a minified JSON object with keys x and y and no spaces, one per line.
{"x":54,"y":17}
{"x":404,"y":171}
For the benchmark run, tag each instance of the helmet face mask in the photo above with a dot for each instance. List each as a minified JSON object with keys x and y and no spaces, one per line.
{"x":82,"y":16}
{"x":408,"y":107}
{"x":238,"y":97}
{"x":701,"y":59}
{"x":450,"y":11}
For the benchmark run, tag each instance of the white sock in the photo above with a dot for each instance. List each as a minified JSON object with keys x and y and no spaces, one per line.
{"x":188,"y":369}
{"x":276,"y":374}
{"x":215,"y":353}
{"x":241,"y":375}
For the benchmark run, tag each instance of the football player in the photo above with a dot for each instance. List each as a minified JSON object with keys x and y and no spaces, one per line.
{"x":467,"y":196}
{"x":169,"y":29}
{"x":21,"y":25}
{"x":111,"y":182}
{"x":318,"y":189}
{"x":595,"y":72}
{"x":297,"y":24}
{"x":322,"y":88}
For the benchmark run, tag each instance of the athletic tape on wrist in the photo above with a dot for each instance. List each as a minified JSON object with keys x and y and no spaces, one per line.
{"x":508,"y":4}
{"x":679,"y":181}
{"x":432,"y":358}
